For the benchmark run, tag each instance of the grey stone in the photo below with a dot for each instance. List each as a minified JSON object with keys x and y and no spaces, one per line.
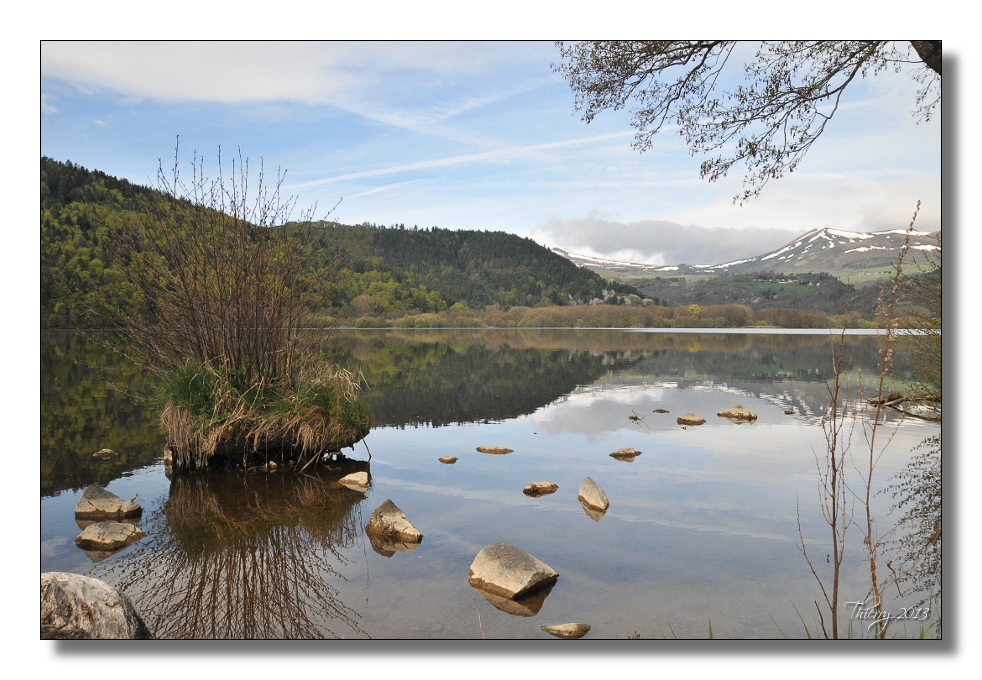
{"x":690,"y":419}
{"x":111,"y":536}
{"x":567,"y":631}
{"x":389,"y":521}
{"x":592,"y":495}
{"x":504,"y":570}
{"x":75,"y":607}
{"x":97,"y":503}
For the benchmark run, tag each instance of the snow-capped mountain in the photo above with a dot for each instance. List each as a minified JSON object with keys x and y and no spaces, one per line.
{"x":818,"y":250}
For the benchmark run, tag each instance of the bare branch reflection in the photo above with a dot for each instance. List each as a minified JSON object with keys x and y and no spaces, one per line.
{"x":250,"y":556}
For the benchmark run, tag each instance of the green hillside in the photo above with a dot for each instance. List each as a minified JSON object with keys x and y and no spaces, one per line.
{"x":372,"y":270}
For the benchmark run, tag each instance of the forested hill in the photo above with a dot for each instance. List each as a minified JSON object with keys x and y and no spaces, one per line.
{"x":474,"y":268}
{"x":374,"y":270}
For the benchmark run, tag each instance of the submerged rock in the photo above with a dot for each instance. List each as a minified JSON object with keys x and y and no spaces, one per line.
{"x":509,"y":572}
{"x":592,"y":495}
{"x":389,"y":521}
{"x":448,"y":460}
{"x":789,"y":413}
{"x":524,"y":605}
{"x":494,"y":450}
{"x":75,"y":607}
{"x":108,"y":536}
{"x":738,"y":414}
{"x":356,"y":481}
{"x":567,"y":631}
{"x":105,"y":453}
{"x":626,"y":455}
{"x":536,"y":489}
{"x":97,"y":503}
{"x":690,"y":419}
{"x":659,"y":410}
{"x":387,"y":546}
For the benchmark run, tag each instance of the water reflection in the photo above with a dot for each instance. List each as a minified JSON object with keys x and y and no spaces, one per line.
{"x":917,"y":551}
{"x":252,"y":556}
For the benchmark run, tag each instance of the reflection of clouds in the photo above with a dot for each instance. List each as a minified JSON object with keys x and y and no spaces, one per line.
{"x":53,"y":546}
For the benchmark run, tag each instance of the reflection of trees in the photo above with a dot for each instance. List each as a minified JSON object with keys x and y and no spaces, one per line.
{"x":246,"y":557}
{"x":91,"y":399}
{"x":917,"y":548}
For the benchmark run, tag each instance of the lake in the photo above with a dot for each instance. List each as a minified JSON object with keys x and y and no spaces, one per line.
{"x":702,"y":528}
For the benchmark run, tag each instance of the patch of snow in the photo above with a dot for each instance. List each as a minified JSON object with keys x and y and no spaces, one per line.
{"x":782,"y":250}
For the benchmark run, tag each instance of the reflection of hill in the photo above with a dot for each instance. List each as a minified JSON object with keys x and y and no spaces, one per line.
{"x":81,"y":413}
{"x":410,"y":383}
{"x":246,"y":557}
{"x":454,"y":376}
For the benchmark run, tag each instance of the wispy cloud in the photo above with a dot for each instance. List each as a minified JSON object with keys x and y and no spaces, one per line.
{"x":46,"y":105}
{"x":387,"y":186}
{"x":510,"y":152}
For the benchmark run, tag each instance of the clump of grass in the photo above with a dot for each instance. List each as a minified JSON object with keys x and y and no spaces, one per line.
{"x":208,"y":420}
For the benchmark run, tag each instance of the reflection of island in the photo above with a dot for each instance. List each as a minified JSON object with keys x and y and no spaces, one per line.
{"x":246,"y":557}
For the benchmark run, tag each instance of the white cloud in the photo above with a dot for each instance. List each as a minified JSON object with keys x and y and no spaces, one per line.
{"x":658,"y":241}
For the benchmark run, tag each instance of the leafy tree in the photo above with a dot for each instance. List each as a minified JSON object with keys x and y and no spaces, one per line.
{"x":792,"y":90}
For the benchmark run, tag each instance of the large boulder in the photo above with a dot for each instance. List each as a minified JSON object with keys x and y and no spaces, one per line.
{"x":690,"y":419}
{"x":504,"y":570}
{"x":567,"y":631}
{"x":390,"y":522}
{"x":97,"y":503}
{"x":75,"y":607}
{"x":108,"y":536}
{"x":738,"y":414}
{"x":536,"y":489}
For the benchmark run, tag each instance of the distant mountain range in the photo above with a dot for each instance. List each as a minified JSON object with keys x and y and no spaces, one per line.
{"x":819,"y":250}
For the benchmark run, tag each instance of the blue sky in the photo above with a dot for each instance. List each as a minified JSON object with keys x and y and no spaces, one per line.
{"x":473,"y":135}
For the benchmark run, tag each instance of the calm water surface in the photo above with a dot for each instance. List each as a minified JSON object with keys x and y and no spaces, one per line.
{"x":702,"y":527}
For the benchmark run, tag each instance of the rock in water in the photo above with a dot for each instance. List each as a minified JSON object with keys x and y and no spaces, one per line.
{"x":536,"y":489}
{"x":97,"y":503}
{"x":592,"y":495}
{"x":75,"y":607}
{"x":659,"y":410}
{"x":627,"y":455}
{"x":568,"y":631}
{"x":104,"y":453}
{"x":389,"y":521}
{"x":504,"y":570}
{"x":357,"y":481}
{"x":738,"y":414}
{"x":494,"y":450}
{"x":690,"y":419}
{"x":108,"y":536}
{"x":525,"y":605}
{"x":448,"y":460}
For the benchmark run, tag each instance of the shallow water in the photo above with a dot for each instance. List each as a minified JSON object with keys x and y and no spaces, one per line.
{"x":702,"y":526}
